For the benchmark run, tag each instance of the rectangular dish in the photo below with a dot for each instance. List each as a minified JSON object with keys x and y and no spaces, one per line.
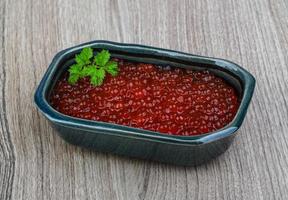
{"x":139,"y":143}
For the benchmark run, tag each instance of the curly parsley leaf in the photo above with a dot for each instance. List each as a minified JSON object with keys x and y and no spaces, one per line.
{"x":112,"y":68}
{"x":87,"y":71}
{"x":97,"y":77}
{"x":75,"y":69}
{"x":102,"y":58}
{"x":93,"y":67}
{"x":73,"y":78}
{"x":74,"y":73}
{"x":84,"y":57}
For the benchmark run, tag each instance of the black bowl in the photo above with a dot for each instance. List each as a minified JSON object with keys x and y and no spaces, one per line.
{"x":135,"y":142}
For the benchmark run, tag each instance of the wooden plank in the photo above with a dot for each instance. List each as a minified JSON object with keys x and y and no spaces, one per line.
{"x":37,"y":164}
{"x":7,"y":157}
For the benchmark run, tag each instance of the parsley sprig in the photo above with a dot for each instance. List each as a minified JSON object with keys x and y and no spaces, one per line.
{"x":91,"y":66}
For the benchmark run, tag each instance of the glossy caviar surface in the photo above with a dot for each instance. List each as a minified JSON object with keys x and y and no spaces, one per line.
{"x":163,"y":99}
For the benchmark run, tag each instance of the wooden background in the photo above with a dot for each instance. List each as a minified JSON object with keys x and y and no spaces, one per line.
{"x":36,"y":164}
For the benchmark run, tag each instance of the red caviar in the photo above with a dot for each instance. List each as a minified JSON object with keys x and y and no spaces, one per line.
{"x":163,"y":99}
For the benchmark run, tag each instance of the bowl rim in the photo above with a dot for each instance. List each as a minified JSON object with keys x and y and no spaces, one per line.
{"x":54,"y":116}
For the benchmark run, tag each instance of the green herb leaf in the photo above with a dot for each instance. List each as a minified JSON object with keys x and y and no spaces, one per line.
{"x":74,"y":73}
{"x":73,"y":78}
{"x":97,"y":77}
{"x":93,"y":67}
{"x":102,"y":58}
{"x":85,"y":56}
{"x":112,"y":68}
{"x":87,"y":71}
{"x":74,"y":69}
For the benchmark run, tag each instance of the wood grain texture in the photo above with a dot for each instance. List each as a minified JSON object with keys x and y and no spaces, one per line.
{"x":36,"y":164}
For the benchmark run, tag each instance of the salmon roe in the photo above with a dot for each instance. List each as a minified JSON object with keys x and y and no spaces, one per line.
{"x":163,"y":99}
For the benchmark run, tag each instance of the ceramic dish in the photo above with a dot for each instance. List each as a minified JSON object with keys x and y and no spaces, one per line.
{"x":139,"y":143}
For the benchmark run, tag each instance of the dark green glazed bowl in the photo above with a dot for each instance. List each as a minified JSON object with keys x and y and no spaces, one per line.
{"x":139,"y":143}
